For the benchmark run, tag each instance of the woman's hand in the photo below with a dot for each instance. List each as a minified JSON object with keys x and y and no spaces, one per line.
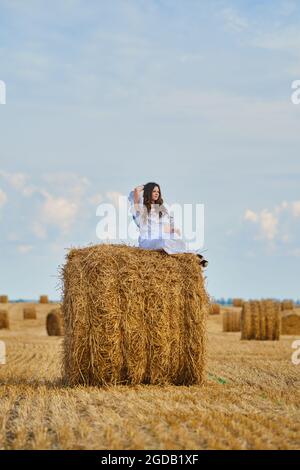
{"x":137,"y":192}
{"x":169,"y":229}
{"x":176,"y":230}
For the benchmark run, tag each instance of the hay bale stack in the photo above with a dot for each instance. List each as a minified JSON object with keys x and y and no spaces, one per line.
{"x":215,"y":309}
{"x":260,"y":320}
{"x":44,"y":299}
{"x":54,"y":323}
{"x":290,"y":322}
{"x":287,"y":305}
{"x":133,"y":316}
{"x":237,"y":302}
{"x":4,"y":320}
{"x":29,"y":313}
{"x":231,"y":320}
{"x":3,"y":299}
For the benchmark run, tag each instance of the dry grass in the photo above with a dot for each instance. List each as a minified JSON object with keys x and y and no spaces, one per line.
{"x":133,"y":316}
{"x":4,"y":320}
{"x":232,"y":320}
{"x":215,"y":309}
{"x":260,"y":320}
{"x":54,"y":323}
{"x":44,"y":299}
{"x":250,"y":398}
{"x":3,"y":299}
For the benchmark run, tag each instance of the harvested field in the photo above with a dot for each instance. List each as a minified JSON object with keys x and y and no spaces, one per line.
{"x":250,"y":398}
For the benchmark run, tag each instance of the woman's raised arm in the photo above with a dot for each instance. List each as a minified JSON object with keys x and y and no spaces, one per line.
{"x":137,"y":192}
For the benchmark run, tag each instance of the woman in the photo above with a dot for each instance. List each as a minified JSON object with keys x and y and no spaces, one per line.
{"x":157,"y":231}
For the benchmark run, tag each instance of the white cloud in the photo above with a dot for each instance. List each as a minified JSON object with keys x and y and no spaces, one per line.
{"x":95,"y":199}
{"x":285,"y":39}
{"x":231,"y":114}
{"x":250,"y":215}
{"x":114,"y":196}
{"x":39,"y":230}
{"x":269,"y":224}
{"x":285,"y":238}
{"x":59,"y":182}
{"x":233,"y":20}
{"x":67,"y":183}
{"x":3,"y":198}
{"x":277,"y":224}
{"x":281,"y":207}
{"x":296,"y":208}
{"x":287,"y":7}
{"x":29,"y":190}
{"x":295,"y":252}
{"x":16,"y":180}
{"x":13,"y":236}
{"x":24,"y":249}
{"x":59,"y":197}
{"x":59,"y":211}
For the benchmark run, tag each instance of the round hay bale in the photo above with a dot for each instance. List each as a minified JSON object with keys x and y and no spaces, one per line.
{"x":287,"y":305}
{"x":54,"y":323}
{"x":133,"y":316}
{"x":29,"y":313}
{"x":4,"y":320}
{"x":3,"y":299}
{"x":260,"y":320}
{"x":215,"y":309}
{"x":231,"y":321}
{"x":237,"y":302}
{"x":246,"y":321}
{"x":44,"y":299}
{"x":290,"y":322}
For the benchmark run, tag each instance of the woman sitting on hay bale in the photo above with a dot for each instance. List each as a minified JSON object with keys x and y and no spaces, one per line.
{"x":154,"y":222}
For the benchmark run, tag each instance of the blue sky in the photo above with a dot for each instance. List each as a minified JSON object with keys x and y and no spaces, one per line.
{"x":103,"y":96}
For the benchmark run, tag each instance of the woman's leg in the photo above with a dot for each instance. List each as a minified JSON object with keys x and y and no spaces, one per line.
{"x":170,"y":246}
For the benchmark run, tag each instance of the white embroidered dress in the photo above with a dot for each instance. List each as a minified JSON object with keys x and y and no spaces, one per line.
{"x":152,"y":235}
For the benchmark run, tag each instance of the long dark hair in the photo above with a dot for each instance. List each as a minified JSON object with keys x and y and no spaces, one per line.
{"x":148,"y":188}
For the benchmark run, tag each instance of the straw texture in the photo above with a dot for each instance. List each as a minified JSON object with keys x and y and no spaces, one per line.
{"x":260,"y":320}
{"x":133,"y":316}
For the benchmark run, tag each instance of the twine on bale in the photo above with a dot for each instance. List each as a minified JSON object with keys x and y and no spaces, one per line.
{"x":54,"y":323}
{"x":133,"y":316}
{"x":231,"y":320}
{"x":29,"y":313}
{"x":260,"y":320}
{"x":4,"y":320}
